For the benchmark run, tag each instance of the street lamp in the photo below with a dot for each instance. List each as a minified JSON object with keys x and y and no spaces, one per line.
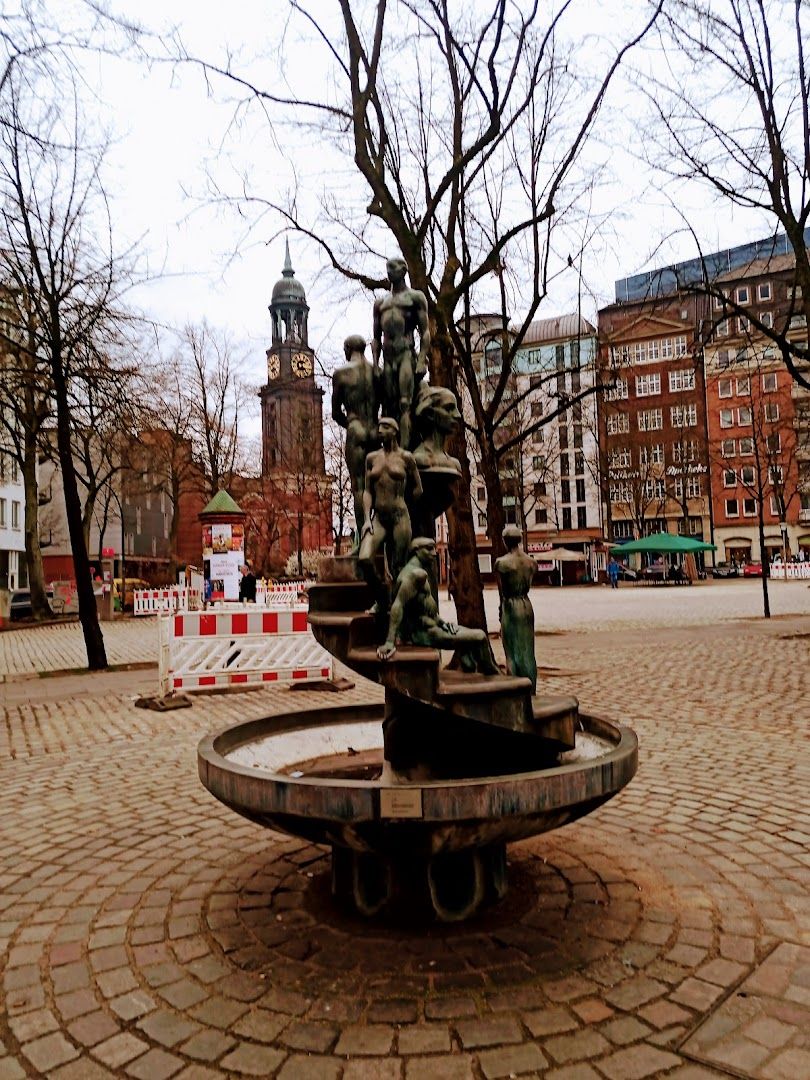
{"x":783,"y":530}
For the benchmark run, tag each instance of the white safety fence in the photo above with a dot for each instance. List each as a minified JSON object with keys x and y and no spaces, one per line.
{"x":170,"y":598}
{"x":204,"y":649}
{"x":799,"y":571}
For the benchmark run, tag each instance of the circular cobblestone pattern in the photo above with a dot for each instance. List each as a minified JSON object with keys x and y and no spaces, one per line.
{"x":149,"y":932}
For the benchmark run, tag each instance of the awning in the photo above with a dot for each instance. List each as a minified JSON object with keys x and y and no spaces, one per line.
{"x":560,"y":554}
{"x":738,"y":542}
{"x":803,"y":541}
{"x":664,"y":543}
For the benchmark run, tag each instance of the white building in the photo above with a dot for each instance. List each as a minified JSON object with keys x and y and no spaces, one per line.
{"x":550,"y":477}
{"x":13,"y":568}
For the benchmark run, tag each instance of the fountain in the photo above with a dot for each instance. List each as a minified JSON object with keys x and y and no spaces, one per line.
{"x":417,"y":797}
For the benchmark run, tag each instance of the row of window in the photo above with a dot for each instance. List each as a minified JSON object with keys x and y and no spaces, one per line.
{"x":681,"y":416}
{"x":745,"y":446}
{"x":648,"y":352}
{"x":655,"y":488}
{"x":742,"y":385}
{"x":744,"y":415}
{"x":622,"y":456}
{"x":744,"y":294}
{"x":541,"y":517}
{"x":9,"y":469}
{"x":747,"y":474}
{"x":648,"y":385}
{"x":15,"y":514}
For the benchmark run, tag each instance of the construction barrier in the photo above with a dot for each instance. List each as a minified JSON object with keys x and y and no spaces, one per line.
{"x":275,"y":593}
{"x":204,"y":649}
{"x":799,"y":571}
{"x":170,"y":598}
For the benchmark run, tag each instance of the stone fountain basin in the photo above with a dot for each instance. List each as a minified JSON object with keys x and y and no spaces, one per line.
{"x":423,"y":819}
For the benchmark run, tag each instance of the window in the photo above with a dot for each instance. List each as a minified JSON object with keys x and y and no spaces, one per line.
{"x":640,"y":352}
{"x":744,"y":416}
{"x":766,"y":318}
{"x":2,"y":513}
{"x":771,"y":411}
{"x":653,"y":350}
{"x":137,"y":519}
{"x":619,"y":493}
{"x":541,"y":517}
{"x":729,"y":478}
{"x":744,"y":385}
{"x":537,"y":409}
{"x":724,"y":388}
{"x":723,"y":328}
{"x":618,"y":391}
{"x":15,"y":471}
{"x":732,"y":508}
{"x":165,"y":525}
{"x":749,"y":507}
{"x":746,"y":446}
{"x":618,"y":423}
{"x":726,"y":418}
{"x":580,"y":485}
{"x":559,"y":357}
{"x":651,"y":455}
{"x":620,"y":458}
{"x":537,"y":437}
{"x":538,"y":462}
{"x":577,"y":435}
{"x":565,"y":491}
{"x":718,"y":302}
{"x":481,"y":494}
{"x":482,"y":519}
{"x":148,"y":500}
{"x":582,"y":517}
{"x":566,"y":517}
{"x":560,"y":382}
{"x":682,"y":380}
{"x":650,"y":420}
{"x":666,"y":348}
{"x":764,"y":290}
{"x":539,"y":489}
{"x":654,"y":489}
{"x":743,"y":324}
{"x":622,"y":530}
{"x":774,"y":443}
{"x":728,"y":447}
{"x":535,"y":382}
{"x":562,"y":437}
{"x":794,"y":292}
{"x":565,"y":465}
{"x":775,"y":508}
{"x":684,"y":415}
{"x":693,"y":488}
{"x":579,"y":463}
{"x":769,"y":382}
{"x":685,"y":451}
{"x":743,"y":295}
{"x":576,"y":382}
{"x":775,"y":474}
{"x":646,"y":385}
{"x":15,"y":514}
{"x":747,"y":475}
{"x":680,"y":346}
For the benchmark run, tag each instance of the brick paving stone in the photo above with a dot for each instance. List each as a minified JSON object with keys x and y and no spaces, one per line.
{"x":580,"y":1071}
{"x":49,"y":1051}
{"x":512,"y":1061}
{"x":253,"y":1060}
{"x":662,"y":1014}
{"x":373,"y":1039}
{"x":549,"y":1022}
{"x":450,"y":1008}
{"x":120,"y":1049}
{"x":637,"y":1062}
{"x":424,"y":1039}
{"x":592,"y":1010}
{"x":374,"y":1069}
{"x":262,"y":1025}
{"x":93,"y":1028}
{"x":167,"y":1028}
{"x":491,"y":1032}
{"x":312,"y":1036}
{"x":135,"y":1003}
{"x":625,"y":1029}
{"x":696,"y":994}
{"x":584,"y":1044}
{"x":207,"y":1045}
{"x":155,"y":1065}
{"x":81,"y":1069}
{"x":28,"y":1026}
{"x":444,"y":1067}
{"x":299,"y":1067}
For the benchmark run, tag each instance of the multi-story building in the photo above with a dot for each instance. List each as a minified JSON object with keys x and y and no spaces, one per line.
{"x":652,"y":420}
{"x":703,"y":430}
{"x":13,"y":568}
{"x":550,"y":474}
{"x":752,"y":418}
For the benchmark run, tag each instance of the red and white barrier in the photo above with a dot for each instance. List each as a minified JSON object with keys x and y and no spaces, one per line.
{"x":799,"y":571}
{"x":204,"y":649}
{"x":278,"y":593}
{"x":170,"y":598}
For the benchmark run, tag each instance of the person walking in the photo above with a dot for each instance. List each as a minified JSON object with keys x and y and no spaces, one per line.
{"x":247,"y":586}
{"x":613,"y":573}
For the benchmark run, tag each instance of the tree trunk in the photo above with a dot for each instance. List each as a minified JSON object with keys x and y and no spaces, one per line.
{"x":88,"y":616}
{"x":763,"y":558}
{"x":40,"y":608}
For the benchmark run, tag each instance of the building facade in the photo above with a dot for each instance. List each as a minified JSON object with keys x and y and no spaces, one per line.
{"x":13,"y":567}
{"x":549,"y":476}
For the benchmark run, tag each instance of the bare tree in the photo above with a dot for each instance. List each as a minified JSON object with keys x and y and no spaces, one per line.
{"x":50,"y":196}
{"x":341,"y":484}
{"x":733,"y":112}
{"x":466,"y":128}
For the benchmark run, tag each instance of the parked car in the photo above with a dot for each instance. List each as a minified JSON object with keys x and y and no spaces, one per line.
{"x":129,"y":597}
{"x":725,"y":570}
{"x":752,"y":569}
{"x":20,"y":604}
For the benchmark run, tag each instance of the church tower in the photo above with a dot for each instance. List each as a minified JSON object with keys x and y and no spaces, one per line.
{"x":292,"y":402}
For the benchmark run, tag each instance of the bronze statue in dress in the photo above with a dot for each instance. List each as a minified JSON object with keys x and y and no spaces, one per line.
{"x":516,"y":572}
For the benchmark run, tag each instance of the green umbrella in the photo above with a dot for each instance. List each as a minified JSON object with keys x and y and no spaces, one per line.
{"x":663,"y":543}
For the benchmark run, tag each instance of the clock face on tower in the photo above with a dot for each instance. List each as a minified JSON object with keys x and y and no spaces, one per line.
{"x":273,"y":367}
{"x":301,"y":365}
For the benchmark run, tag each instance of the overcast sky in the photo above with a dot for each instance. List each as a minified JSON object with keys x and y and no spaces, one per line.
{"x":172,"y":135}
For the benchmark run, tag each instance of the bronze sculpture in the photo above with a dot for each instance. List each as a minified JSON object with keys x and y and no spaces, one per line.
{"x":516,"y":572}
{"x":391,"y":482}
{"x":397,"y":317}
{"x":355,"y":402}
{"x":414,"y":617}
{"x":437,"y":417}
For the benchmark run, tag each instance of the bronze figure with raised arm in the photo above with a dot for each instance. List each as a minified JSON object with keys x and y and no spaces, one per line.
{"x":391,"y":478}
{"x":355,"y":403}
{"x":398,"y":316}
{"x":414,"y":617}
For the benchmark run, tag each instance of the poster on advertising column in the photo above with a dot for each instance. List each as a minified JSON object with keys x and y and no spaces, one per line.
{"x":224,"y":575}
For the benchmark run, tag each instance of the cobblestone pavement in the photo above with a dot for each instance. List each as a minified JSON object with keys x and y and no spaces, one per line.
{"x":130,"y":641}
{"x":146,"y":931}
